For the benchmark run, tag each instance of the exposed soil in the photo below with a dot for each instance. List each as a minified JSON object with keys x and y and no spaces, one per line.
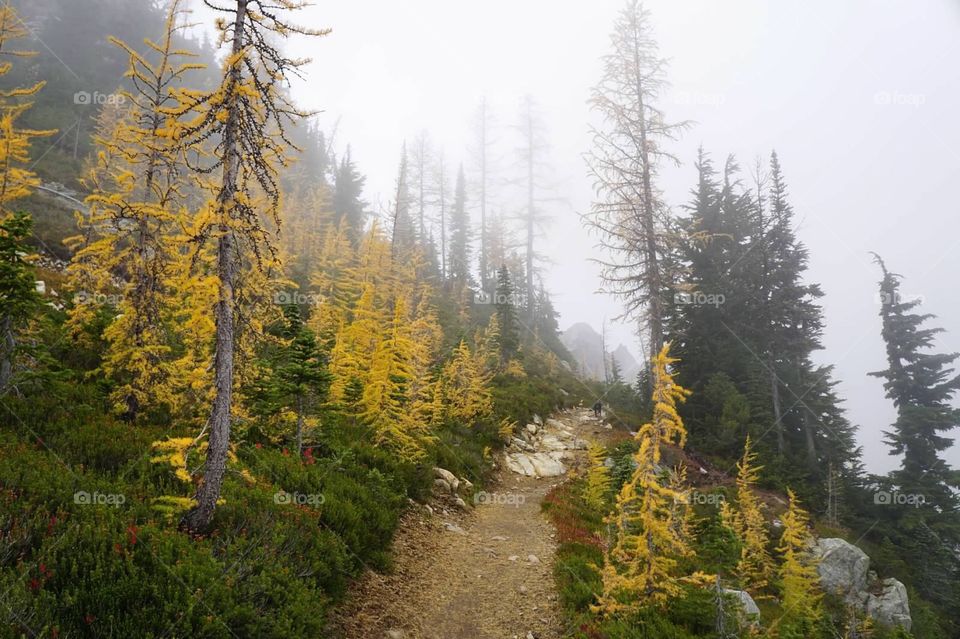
{"x":481,"y":574}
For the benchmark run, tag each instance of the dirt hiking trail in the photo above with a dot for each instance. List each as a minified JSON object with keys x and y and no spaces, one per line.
{"x":481,"y":572}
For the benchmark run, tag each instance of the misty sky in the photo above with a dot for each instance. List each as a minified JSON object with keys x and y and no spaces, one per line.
{"x":859,"y":98}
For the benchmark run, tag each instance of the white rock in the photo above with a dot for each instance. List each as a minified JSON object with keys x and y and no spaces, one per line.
{"x":842,"y":566}
{"x":396,"y":634}
{"x":546,"y":466}
{"x":520,"y":463}
{"x":454,"y":528}
{"x":533,"y":559}
{"x":891,"y":607}
{"x":531,"y":428}
{"x":460,"y":504}
{"x":442,"y":486}
{"x":447,"y":476}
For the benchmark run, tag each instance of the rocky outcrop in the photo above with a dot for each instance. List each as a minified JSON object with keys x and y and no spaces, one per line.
{"x":544,"y":448}
{"x":891,"y":607}
{"x":845,"y":572}
{"x":843,"y":568}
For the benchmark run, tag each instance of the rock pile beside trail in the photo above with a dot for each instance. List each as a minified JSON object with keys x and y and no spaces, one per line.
{"x":845,"y":571}
{"x":545,"y":449}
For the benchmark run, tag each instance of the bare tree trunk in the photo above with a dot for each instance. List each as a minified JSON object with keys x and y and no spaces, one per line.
{"x":775,"y":396}
{"x":8,"y":344}
{"x":198,"y":519}
{"x":443,"y":221}
{"x":654,"y":280}
{"x":483,"y":194}
{"x":299,"y":426}
{"x":530,"y":213}
{"x":812,"y":461}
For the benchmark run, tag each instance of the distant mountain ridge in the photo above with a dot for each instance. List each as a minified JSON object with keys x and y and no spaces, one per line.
{"x":586,"y":346}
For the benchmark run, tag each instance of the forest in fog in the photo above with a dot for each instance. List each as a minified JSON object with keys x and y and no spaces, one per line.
{"x":259,"y":381}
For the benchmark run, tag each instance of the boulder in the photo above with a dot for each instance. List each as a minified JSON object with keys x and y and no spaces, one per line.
{"x":531,"y":428}
{"x":447,"y":476}
{"x":546,"y":466}
{"x":441,"y":486}
{"x":520,"y":463}
{"x":534,"y":464}
{"x":516,"y":442}
{"x":845,"y":571}
{"x":891,"y":607}
{"x":552,"y":442}
{"x":749,"y":610}
{"x":843,"y":568}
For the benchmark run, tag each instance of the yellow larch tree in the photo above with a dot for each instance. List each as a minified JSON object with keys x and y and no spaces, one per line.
{"x":642,"y":567}
{"x":386,"y":394}
{"x":598,"y":477}
{"x":334,"y":280}
{"x":354,"y":346}
{"x":135,"y":213}
{"x":244,"y":119}
{"x":464,"y":388}
{"x":755,"y":567}
{"x":16,"y":180}
{"x":799,"y":579}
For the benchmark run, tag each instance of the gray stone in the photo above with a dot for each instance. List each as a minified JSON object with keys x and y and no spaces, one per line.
{"x":891,"y":607}
{"x":447,"y":476}
{"x":842,"y":566}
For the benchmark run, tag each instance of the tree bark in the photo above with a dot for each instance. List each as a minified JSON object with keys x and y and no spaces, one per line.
{"x":199,"y":518}
{"x":8,"y":344}
{"x":654,"y":281}
{"x":299,"y":426}
{"x":775,"y":397}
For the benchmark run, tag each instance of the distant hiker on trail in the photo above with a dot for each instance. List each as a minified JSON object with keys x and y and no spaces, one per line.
{"x":597,"y":409}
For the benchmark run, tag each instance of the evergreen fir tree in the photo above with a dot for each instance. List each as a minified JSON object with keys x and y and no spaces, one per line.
{"x":506,"y":314}
{"x":459,"y":263}
{"x":921,"y":385}
{"x":296,"y":377}
{"x":348,"y":204}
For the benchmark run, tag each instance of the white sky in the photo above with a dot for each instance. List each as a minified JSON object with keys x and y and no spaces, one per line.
{"x":860,"y":98}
